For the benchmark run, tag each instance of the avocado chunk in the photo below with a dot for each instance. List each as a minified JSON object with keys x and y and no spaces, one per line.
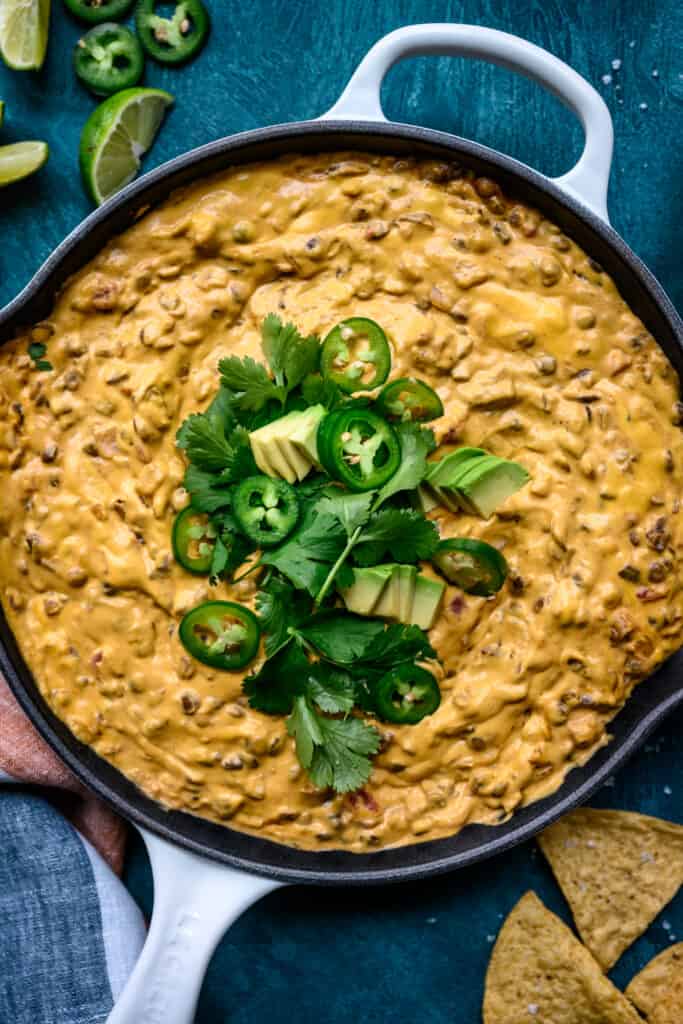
{"x":442,"y":475}
{"x":299,"y":464}
{"x":424,"y":499}
{"x":407,"y":575}
{"x":426,"y":602}
{"x":304,"y":433}
{"x":443,"y":472}
{"x":261,"y":459}
{"x":287,"y":447}
{"x":366,"y":589}
{"x":389,"y":604}
{"x":488,"y":488}
{"x":467,"y":471}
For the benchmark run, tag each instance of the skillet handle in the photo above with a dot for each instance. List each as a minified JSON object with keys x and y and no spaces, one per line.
{"x":195,"y":901}
{"x":587,"y":181}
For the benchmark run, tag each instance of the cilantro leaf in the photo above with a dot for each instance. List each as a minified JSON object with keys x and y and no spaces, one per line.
{"x":305,"y":558}
{"x":219,"y":560}
{"x":37,"y":350}
{"x":249,"y":380}
{"x":318,"y":390}
{"x":290,"y":356}
{"x":302,"y":724}
{"x":352,"y":510}
{"x":332,"y":689}
{"x":334,"y":751}
{"x":203,"y":439}
{"x":207,"y":493}
{"x":415,"y":446}
{"x":280,"y":607}
{"x":340,"y":636}
{"x":404,"y":534}
{"x":232,"y":547}
{"x":395,"y":644}
{"x":273,"y":688}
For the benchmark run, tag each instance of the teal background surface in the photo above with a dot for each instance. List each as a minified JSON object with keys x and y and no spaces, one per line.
{"x":416,"y":952}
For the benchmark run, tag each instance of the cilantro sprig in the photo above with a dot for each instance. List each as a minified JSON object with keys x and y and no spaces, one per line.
{"x":291,"y":357}
{"x":322,"y":663}
{"x":335,"y":752}
{"x":354,"y":515}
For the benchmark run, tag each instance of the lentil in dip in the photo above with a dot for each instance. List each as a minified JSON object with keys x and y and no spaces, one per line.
{"x":534,"y":355}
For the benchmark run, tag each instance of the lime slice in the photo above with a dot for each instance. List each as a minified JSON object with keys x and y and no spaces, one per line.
{"x":21,"y":159}
{"x":23,"y":33}
{"x":117,"y":135}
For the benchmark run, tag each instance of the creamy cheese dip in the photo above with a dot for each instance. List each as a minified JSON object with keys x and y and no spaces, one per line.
{"x":535,"y":357}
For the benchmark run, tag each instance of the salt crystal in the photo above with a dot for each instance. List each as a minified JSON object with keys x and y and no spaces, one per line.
{"x":646,"y":857}
{"x":632,"y":44}
{"x":643,"y":106}
{"x":616,"y":64}
{"x":606,"y":79}
{"x":490,"y":938}
{"x":609,"y":783}
{"x":431,"y":920}
{"x":533,"y":1009}
{"x":591,"y":844}
{"x":667,"y":790}
{"x":666,"y":926}
{"x":655,"y":73}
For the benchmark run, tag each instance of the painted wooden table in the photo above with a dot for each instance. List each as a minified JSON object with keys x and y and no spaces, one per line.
{"x":415,"y":953}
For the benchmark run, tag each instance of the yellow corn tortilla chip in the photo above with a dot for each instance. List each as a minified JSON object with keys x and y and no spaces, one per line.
{"x":540,"y":973}
{"x":670,"y":1009}
{"x":653,"y":984}
{"x":617,"y":870}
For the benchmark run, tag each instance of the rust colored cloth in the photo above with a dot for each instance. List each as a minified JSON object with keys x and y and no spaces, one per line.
{"x":27,"y":758}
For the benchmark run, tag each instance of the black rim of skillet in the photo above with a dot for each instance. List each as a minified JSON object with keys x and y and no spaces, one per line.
{"x":652,"y":699}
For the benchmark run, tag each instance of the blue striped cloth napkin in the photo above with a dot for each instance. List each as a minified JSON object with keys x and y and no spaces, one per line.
{"x":69,"y":931}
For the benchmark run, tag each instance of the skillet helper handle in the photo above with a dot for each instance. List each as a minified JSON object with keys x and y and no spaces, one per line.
{"x":195,"y":901}
{"x":587,"y":181}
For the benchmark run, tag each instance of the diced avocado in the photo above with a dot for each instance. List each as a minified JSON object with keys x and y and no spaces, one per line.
{"x":488,"y":489}
{"x":260,"y":456}
{"x":467,"y":471}
{"x":304,"y":435}
{"x":389,"y":604}
{"x":470,"y":470}
{"x":274,"y":456}
{"x":286,"y":447}
{"x":442,"y":472}
{"x":366,"y":589}
{"x":449,"y":499}
{"x":406,"y":591}
{"x":426,"y":602}
{"x":442,"y":475}
{"x":424,"y":499}
{"x":293,"y":457}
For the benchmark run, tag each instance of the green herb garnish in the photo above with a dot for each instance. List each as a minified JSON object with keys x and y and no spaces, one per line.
{"x":37,"y":350}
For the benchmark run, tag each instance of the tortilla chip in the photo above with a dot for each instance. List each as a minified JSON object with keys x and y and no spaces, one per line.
{"x":617,"y":870}
{"x":670,"y":1009}
{"x":653,"y":984}
{"x":540,"y":973}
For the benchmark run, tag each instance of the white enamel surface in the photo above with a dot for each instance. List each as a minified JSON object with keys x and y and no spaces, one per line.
{"x":195,"y":902}
{"x":587,"y":181}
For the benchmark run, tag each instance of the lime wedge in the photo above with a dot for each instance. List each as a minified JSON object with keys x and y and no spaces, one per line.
{"x":117,"y":135}
{"x":21,"y":159}
{"x":23,"y":33}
